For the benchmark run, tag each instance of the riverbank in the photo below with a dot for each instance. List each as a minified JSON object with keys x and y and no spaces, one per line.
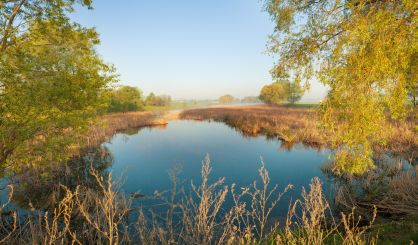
{"x":108,"y":125}
{"x":288,"y":124}
{"x":299,"y":125}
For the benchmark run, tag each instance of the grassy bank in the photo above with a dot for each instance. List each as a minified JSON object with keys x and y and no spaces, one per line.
{"x":300,"y":125}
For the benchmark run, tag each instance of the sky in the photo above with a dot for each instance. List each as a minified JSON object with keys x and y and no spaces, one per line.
{"x":189,"y":49}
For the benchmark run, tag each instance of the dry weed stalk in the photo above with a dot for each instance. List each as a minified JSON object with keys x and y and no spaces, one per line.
{"x":311,"y":225}
{"x":105,"y":211}
{"x":86,"y":216}
{"x":264,"y":201}
{"x":199,"y":217}
{"x":311,"y":221}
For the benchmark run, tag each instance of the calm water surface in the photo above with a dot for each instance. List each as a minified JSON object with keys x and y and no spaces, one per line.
{"x":144,"y":158}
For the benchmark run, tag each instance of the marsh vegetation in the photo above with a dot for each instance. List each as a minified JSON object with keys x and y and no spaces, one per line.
{"x":303,"y":125}
{"x":64,"y":119}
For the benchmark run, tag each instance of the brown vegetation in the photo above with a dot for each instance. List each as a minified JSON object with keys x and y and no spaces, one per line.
{"x":391,"y":187}
{"x":288,"y":124}
{"x":86,"y":216}
{"x":300,"y":125}
{"x":108,"y":125}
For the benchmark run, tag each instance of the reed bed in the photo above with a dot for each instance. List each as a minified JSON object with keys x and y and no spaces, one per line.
{"x":302,"y":125}
{"x":109,"y":124}
{"x":102,"y":216}
{"x":292,"y":125}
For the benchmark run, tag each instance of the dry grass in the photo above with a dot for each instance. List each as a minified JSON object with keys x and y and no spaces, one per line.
{"x":202,"y":220}
{"x":311,"y":221}
{"x":85,"y":216}
{"x":301,"y":125}
{"x":82,"y":216}
{"x":293,"y":125}
{"x":391,"y":188}
{"x":108,"y":125}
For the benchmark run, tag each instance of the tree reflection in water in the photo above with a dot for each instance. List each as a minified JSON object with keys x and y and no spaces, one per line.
{"x":41,"y":188}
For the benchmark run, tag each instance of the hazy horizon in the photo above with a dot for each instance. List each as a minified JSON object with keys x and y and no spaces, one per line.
{"x":195,"y":50}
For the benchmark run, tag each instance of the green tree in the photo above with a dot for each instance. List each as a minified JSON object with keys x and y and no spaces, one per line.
{"x":226,"y":99}
{"x":161,"y":100}
{"x":125,"y":99}
{"x":150,"y":99}
{"x":17,"y":15}
{"x":294,"y":91}
{"x":274,"y":93}
{"x":51,"y":81}
{"x":363,"y":50}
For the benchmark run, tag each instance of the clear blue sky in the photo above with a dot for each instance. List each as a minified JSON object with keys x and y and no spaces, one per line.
{"x":192,"y":49}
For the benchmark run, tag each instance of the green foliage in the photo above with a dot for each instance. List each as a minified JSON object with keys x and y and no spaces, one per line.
{"x":294,"y":91}
{"x":51,"y":82}
{"x":274,"y":93}
{"x":364,"y":51}
{"x":161,"y":100}
{"x":125,"y":99}
{"x":17,"y":16}
{"x":280,"y":91}
{"x":226,"y":99}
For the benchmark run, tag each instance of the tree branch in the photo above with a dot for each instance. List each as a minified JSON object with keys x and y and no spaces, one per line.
{"x":9,"y":26}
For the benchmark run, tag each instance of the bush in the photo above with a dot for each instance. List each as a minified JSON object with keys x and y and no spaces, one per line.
{"x":125,"y":99}
{"x":274,"y":93}
{"x":278,"y":92}
{"x":227,"y":99}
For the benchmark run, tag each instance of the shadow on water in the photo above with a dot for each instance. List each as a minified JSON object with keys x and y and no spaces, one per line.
{"x":42,"y":189}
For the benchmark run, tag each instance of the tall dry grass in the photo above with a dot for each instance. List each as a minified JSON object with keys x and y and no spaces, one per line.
{"x":302,"y":125}
{"x":108,"y":125}
{"x":82,"y":216}
{"x":288,"y":124}
{"x":87,"y":216}
{"x":202,"y":220}
{"x":391,"y":187}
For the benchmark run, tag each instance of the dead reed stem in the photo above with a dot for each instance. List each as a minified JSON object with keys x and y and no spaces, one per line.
{"x":90,"y":216}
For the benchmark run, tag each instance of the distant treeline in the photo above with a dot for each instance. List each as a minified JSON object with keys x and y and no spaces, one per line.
{"x":127,"y":98}
{"x":229,"y":99}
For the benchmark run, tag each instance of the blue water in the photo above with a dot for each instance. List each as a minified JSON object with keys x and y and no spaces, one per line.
{"x":143,"y":159}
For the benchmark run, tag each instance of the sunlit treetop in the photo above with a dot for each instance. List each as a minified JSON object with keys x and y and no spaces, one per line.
{"x":365,"y":51}
{"x":52,"y":82}
{"x":17,"y":15}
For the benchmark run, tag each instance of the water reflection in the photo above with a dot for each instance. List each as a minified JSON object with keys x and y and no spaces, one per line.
{"x":144,"y":156}
{"x":42,"y":189}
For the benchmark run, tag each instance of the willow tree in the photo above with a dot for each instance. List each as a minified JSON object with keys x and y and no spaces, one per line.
{"x":364,"y":51}
{"x":51,"y":80}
